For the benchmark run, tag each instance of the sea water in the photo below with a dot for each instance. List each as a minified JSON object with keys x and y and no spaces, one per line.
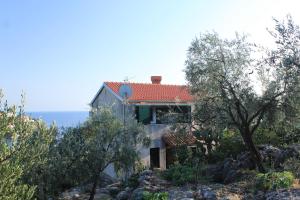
{"x":61,"y":119}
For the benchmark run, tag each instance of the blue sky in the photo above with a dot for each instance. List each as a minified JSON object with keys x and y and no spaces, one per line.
{"x":60,"y":52}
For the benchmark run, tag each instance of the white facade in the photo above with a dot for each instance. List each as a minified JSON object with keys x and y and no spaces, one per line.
{"x":106,"y":97}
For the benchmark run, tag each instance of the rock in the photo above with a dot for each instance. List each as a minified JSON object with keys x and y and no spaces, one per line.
{"x":73,"y":193}
{"x":232,"y":176}
{"x":180,"y":193}
{"x":137,"y":194}
{"x":113,"y":190}
{"x":205,"y":193}
{"x":209,"y":195}
{"x":105,"y":180}
{"x":260,"y":195}
{"x":244,"y":161}
{"x":145,"y":175}
{"x":102,"y":190}
{"x":146,"y":172}
{"x":283,"y":194}
{"x":124,"y":195}
{"x":189,"y":194}
{"x":215,"y":172}
{"x":102,"y":197}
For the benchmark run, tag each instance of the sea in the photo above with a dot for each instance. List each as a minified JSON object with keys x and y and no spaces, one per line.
{"x":62,"y":118}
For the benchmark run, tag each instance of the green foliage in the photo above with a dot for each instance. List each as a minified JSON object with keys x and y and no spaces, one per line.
{"x":274,"y":180}
{"x":155,"y":196}
{"x":83,"y":152}
{"x":65,"y":165}
{"x":24,"y":146}
{"x":230,"y":145}
{"x":180,"y":174}
{"x":220,"y":73}
{"x":293,"y":165}
{"x":267,"y":136}
{"x":133,"y":181}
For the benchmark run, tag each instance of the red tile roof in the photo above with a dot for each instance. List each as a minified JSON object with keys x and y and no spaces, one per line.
{"x":172,"y":139}
{"x":154,"y":92}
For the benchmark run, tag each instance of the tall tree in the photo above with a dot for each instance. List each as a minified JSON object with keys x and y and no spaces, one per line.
{"x":225,"y":76}
{"x":110,"y":142}
{"x":23,"y":146}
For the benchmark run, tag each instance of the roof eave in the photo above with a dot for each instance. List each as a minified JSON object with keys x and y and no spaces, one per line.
{"x":104,"y":85}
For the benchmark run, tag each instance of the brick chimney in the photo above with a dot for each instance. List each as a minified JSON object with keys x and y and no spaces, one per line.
{"x":156,"y":79}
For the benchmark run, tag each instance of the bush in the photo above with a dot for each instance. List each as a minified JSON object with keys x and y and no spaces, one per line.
{"x":293,"y":165}
{"x":267,"y":136}
{"x":230,"y":145}
{"x":274,"y":180}
{"x":155,"y":196}
{"x":133,"y":181}
{"x":180,"y":174}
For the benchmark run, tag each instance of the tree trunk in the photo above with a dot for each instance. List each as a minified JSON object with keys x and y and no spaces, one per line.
{"x":95,"y":183}
{"x":253,"y":151}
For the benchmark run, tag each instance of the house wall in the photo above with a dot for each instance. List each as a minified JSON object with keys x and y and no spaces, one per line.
{"x":155,"y":132}
{"x":107,"y":99}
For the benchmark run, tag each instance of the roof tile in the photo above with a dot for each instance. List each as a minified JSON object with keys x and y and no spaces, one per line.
{"x":154,"y":92}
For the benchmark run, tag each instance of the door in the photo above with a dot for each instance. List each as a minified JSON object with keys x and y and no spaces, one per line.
{"x":154,"y":158}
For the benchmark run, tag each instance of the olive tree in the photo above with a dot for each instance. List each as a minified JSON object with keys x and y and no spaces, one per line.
{"x":110,"y":141}
{"x":23,"y":148}
{"x":225,"y":76}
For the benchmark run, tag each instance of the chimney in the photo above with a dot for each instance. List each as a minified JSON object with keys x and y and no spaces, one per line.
{"x":156,"y":79}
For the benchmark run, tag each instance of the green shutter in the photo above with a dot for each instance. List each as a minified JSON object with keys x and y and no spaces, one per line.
{"x":144,"y":114}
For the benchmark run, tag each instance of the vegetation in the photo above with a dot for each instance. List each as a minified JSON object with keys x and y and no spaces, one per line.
{"x":36,"y":163}
{"x":231,"y":115}
{"x":24,"y":146}
{"x":220,"y":73}
{"x":180,"y":174}
{"x":155,"y":196}
{"x":293,"y":165}
{"x":274,"y":180}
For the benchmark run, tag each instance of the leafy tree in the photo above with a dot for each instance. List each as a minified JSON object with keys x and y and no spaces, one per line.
{"x":65,"y":164}
{"x":221,"y":73}
{"x":109,"y":141}
{"x":23,"y":146}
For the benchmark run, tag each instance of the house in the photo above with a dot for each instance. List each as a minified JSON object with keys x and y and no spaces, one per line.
{"x":155,"y":105}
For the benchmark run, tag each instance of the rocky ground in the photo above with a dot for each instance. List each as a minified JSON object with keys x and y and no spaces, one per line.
{"x":149,"y":181}
{"x":228,"y":173}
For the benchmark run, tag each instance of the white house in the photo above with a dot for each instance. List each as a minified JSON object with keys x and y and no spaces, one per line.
{"x":153,"y":104}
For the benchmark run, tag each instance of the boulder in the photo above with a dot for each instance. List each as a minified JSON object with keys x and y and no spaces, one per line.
{"x":231,"y":176}
{"x":205,"y":193}
{"x":283,"y":194}
{"x":215,"y":172}
{"x":113,"y":190}
{"x":137,"y":194}
{"x":101,"y":196}
{"x":105,"y":180}
{"x":123,"y":195}
{"x":245,"y":161}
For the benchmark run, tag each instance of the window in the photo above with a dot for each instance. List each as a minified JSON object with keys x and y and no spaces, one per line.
{"x":173,"y":114}
{"x":143,"y":114}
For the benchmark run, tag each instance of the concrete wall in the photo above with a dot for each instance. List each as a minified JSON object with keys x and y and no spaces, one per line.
{"x":107,"y":99}
{"x":155,"y":132}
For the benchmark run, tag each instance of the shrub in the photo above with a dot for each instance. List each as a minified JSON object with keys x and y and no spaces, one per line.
{"x":155,"y":196}
{"x":230,"y":145}
{"x":267,"y":136}
{"x":133,"y":181}
{"x":180,"y":174}
{"x":274,"y":180}
{"x":293,"y":165}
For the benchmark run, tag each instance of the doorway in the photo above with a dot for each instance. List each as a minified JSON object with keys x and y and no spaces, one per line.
{"x":154,"y":158}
